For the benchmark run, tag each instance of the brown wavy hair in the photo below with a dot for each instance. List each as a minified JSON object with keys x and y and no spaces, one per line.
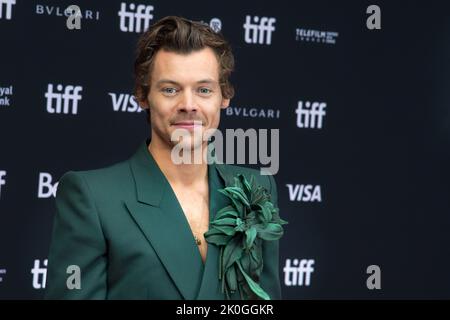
{"x":180,"y":35}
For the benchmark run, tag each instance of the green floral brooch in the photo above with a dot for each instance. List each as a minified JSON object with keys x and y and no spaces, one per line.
{"x":239,"y":230}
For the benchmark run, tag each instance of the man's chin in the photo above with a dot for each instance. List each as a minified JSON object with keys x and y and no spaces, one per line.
{"x":189,"y":152}
{"x":190,"y":145}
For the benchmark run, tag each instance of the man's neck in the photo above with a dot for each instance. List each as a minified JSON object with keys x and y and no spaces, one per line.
{"x":183,"y":175}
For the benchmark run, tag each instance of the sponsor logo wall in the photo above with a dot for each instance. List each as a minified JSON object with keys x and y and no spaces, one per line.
{"x":364,"y":148}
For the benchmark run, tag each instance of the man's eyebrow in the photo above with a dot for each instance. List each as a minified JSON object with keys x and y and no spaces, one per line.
{"x":159,"y":82}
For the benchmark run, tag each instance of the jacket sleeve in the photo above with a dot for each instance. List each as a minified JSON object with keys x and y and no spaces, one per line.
{"x":270,"y":279}
{"x":77,"y":239}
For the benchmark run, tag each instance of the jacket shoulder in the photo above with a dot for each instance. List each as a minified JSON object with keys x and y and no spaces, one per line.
{"x":107,"y":172}
{"x":111,"y":179}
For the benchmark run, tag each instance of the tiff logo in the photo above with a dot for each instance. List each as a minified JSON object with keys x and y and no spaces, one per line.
{"x":2,"y":180}
{"x":131,"y":21}
{"x":124,"y":102}
{"x":310,"y":114}
{"x":299,"y":273}
{"x":65,"y":102}
{"x":37,"y":272}
{"x":258,"y":30}
{"x":8,"y":6}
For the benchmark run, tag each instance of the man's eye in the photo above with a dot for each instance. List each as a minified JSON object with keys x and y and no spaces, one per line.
{"x":169,"y":90}
{"x":205,"y":90}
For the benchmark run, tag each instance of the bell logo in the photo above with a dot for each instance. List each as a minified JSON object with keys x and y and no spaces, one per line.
{"x":45,"y":188}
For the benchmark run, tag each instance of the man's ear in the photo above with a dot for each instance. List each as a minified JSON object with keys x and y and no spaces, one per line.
{"x":143,"y":104}
{"x":225,"y":103}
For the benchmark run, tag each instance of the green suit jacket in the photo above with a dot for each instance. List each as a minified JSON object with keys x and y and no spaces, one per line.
{"x":125,"y":229}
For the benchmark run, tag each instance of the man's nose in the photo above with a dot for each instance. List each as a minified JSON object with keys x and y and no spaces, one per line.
{"x":187,"y":102}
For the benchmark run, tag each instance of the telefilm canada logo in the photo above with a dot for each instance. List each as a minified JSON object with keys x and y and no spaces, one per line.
{"x":316,"y":36}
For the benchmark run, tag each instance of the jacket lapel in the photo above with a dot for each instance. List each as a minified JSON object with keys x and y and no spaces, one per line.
{"x":161,"y":219}
{"x":210,"y":286}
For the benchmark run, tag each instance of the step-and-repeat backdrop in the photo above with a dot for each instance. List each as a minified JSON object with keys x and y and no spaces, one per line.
{"x":360,"y":94}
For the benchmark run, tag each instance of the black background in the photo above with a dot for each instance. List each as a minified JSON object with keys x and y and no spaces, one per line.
{"x":381,"y":158}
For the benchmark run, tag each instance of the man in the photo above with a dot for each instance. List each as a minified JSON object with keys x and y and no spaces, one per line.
{"x":136,"y":229}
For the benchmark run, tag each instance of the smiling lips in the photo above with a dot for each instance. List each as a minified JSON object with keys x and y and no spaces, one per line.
{"x":190,"y":125}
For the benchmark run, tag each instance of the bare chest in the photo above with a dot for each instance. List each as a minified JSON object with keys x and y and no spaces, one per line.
{"x":195,"y":207}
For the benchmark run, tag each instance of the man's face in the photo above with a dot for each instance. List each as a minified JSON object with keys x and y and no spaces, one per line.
{"x":184,"y":93}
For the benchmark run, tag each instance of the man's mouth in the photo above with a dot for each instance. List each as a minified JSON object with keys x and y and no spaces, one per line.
{"x":187,"y":124}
